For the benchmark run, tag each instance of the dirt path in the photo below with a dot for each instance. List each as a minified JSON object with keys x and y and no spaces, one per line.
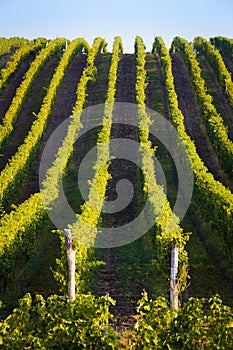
{"x":13,"y":83}
{"x":193,"y":121}
{"x":125,"y":85}
{"x":109,"y":284}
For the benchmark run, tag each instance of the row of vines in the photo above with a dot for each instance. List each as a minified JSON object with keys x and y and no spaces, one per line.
{"x":213,"y":120}
{"x":26,"y":220}
{"x":215,"y":200}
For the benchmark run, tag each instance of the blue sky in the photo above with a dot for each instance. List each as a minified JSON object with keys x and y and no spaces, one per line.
{"x":127,"y":18}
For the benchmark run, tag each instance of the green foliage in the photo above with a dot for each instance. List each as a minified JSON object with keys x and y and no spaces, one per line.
{"x":199,"y":324}
{"x":224,"y":45}
{"x":215,"y":59}
{"x":213,"y":121}
{"x":56,"y":323}
{"x":18,"y":233}
{"x":12,"y":44}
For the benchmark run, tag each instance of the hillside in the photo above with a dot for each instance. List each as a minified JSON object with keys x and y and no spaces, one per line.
{"x":185,"y":87}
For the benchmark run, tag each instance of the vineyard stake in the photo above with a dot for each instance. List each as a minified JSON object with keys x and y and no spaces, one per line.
{"x":105,"y":329}
{"x":173,"y":278}
{"x":71,"y":264}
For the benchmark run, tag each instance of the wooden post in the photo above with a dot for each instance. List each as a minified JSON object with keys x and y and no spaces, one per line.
{"x":173,"y":278}
{"x":105,"y":329}
{"x":71,"y":264}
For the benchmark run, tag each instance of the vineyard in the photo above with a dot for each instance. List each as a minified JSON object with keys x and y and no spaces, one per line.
{"x":83,"y":127}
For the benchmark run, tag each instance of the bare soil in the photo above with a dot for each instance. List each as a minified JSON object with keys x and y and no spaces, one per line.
{"x":125,"y":85}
